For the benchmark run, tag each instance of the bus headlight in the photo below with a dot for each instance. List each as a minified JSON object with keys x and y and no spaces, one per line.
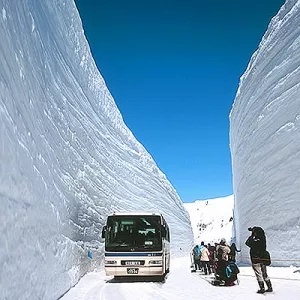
{"x":110,"y":262}
{"x":155,"y":262}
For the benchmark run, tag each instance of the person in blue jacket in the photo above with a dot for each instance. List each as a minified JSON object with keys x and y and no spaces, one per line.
{"x":196,"y":255}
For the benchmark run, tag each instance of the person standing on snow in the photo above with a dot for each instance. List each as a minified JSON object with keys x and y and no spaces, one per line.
{"x":212,"y":253}
{"x":196,"y":255}
{"x":257,"y":244}
{"x":232,"y":254}
{"x":222,"y":252}
{"x":204,"y":259}
{"x":200,"y":249}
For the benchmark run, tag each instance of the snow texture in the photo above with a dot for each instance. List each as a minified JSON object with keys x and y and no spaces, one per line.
{"x":181,"y":284}
{"x":264,"y":139}
{"x":211,"y":219}
{"x":67,"y":159}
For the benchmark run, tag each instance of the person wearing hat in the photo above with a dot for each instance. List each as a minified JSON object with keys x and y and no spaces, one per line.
{"x":222,"y":251}
{"x":257,"y":244}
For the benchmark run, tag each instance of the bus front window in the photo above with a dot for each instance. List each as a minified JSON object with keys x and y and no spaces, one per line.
{"x":133,"y":233}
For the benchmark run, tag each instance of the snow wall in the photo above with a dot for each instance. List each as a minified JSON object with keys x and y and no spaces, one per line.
{"x":265,"y":140}
{"x":67,"y":158}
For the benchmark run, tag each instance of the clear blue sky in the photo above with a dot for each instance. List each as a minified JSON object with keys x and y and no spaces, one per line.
{"x":173,"y":68}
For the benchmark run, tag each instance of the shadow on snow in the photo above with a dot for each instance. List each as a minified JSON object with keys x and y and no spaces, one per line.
{"x":133,"y":279}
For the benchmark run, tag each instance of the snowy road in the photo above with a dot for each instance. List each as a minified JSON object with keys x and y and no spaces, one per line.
{"x":181,"y":284}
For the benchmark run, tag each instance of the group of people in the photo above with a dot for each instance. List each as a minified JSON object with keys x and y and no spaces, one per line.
{"x":217,"y":258}
{"x":202,"y":258}
{"x":214,"y":258}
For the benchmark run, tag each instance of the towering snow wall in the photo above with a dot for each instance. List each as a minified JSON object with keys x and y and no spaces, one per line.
{"x":66,"y":157}
{"x":265,"y":139}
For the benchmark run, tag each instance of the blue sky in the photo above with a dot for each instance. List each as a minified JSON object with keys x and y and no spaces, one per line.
{"x":173,"y":68}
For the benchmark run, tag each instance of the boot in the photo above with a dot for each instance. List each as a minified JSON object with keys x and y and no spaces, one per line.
{"x":261,"y":287}
{"x":269,"y":285}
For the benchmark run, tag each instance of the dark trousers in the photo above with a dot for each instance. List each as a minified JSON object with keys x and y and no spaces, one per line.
{"x":220,"y":268}
{"x":206,"y":267}
{"x":197,"y":264}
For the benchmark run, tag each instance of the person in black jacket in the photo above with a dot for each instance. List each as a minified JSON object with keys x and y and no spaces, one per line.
{"x":232,"y":254}
{"x":257,"y":244}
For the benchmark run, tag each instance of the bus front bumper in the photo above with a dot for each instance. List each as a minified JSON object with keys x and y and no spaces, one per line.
{"x":131,"y":271}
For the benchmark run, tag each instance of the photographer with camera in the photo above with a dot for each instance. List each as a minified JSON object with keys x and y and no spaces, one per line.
{"x":257,"y":244}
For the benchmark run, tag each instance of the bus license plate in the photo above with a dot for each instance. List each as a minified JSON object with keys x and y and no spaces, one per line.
{"x":132,"y":270}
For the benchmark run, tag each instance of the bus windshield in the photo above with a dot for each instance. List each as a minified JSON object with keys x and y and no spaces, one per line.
{"x":133,"y":233}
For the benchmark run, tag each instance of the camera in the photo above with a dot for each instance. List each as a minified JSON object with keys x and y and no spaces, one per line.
{"x":250,"y":228}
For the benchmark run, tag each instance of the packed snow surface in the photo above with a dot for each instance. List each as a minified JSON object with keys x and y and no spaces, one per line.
{"x":67,"y":158}
{"x":264,"y":139}
{"x":181,"y":284}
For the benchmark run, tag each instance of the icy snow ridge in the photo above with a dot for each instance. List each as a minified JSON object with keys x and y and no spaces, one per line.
{"x":212,"y":219}
{"x":264,"y":139}
{"x":67,"y":158}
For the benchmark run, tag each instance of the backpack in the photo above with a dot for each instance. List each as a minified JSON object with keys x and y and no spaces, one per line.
{"x":196,"y":252}
{"x":266,"y":258}
{"x":232,"y":270}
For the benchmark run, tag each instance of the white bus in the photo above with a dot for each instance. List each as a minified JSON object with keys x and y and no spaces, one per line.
{"x":136,"y":244}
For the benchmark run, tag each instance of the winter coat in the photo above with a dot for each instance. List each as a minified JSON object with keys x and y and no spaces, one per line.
{"x":233,"y":251}
{"x":196,"y":252}
{"x":257,"y":244}
{"x":222,"y":252}
{"x":212,"y":252}
{"x":204,"y":254}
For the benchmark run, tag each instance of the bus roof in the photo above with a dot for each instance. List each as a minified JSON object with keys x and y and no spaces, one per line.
{"x":134,"y":214}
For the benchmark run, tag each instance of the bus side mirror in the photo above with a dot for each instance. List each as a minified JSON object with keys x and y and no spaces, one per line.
{"x":103,"y":232}
{"x":163,"y":232}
